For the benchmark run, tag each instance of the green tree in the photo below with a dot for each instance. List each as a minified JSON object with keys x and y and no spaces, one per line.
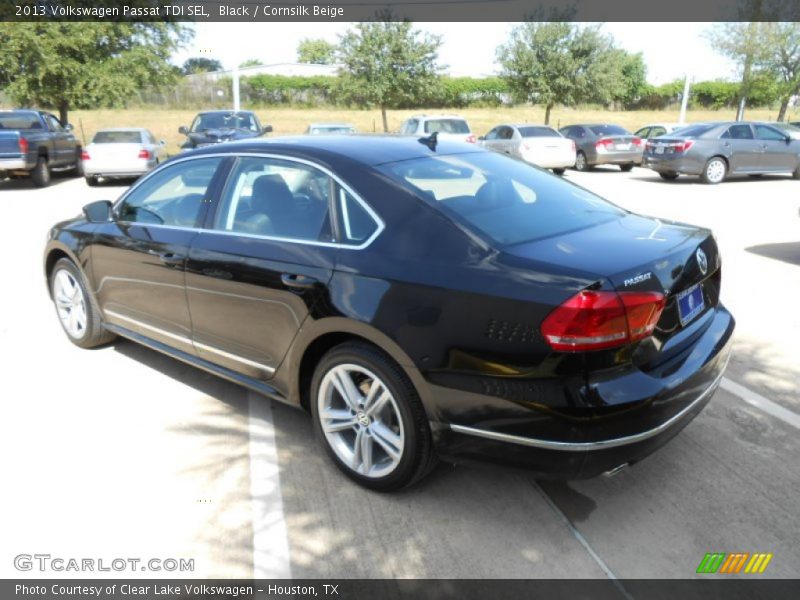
{"x":201,"y":64}
{"x":743,"y":43}
{"x":561,"y":63}
{"x":782,"y":41}
{"x":387,"y":64}
{"x":634,"y":77}
{"x":318,"y":52}
{"x":85,"y":65}
{"x":250,"y":62}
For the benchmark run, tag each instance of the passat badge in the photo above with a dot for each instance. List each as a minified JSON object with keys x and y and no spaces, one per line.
{"x":702,"y":261}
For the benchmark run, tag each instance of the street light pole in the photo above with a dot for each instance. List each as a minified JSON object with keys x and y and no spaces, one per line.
{"x":684,"y":100}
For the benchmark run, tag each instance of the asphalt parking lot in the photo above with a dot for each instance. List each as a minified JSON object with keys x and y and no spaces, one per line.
{"x":122,"y":452}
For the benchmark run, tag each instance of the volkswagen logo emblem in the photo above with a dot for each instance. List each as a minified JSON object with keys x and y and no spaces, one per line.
{"x":702,"y":261}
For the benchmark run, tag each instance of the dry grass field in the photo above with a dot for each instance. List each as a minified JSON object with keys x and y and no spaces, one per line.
{"x":164,"y":123}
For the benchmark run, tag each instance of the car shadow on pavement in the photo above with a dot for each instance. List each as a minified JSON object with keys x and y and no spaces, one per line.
{"x":692,"y":179}
{"x":788,"y":252}
{"x":26,"y":184}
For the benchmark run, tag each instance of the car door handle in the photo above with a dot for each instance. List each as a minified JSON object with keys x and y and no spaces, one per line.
{"x":298,"y":282}
{"x":171,"y":259}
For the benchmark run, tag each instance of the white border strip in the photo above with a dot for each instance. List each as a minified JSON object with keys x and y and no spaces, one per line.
{"x":757,"y":400}
{"x":270,"y":539}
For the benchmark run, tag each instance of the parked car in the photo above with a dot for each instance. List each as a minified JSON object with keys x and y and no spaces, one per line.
{"x":795,"y":123}
{"x":715,"y":151}
{"x":539,"y":145}
{"x":450,"y":127}
{"x":216,"y":126}
{"x":604,"y":144}
{"x":656,"y":129}
{"x":417,"y":299}
{"x":35,"y":143}
{"x":122,"y":153}
{"x":328,"y":128}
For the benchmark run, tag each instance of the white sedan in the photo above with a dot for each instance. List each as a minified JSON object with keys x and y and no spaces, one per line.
{"x":121,"y":153}
{"x":539,"y":145}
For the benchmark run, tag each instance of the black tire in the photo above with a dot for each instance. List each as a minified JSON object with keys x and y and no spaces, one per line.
{"x":713,"y":166}
{"x":77,"y":170}
{"x":41,"y":173}
{"x":626,"y":168}
{"x":559,"y":171}
{"x":796,"y":174}
{"x":416,"y":458}
{"x":669,"y":176}
{"x":91,"y":180}
{"x":580,"y":162}
{"x":93,"y":333}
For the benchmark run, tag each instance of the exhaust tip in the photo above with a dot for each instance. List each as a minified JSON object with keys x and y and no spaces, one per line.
{"x":615,"y":470}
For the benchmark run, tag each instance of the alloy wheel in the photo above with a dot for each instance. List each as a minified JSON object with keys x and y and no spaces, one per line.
{"x":715,"y":170}
{"x":70,"y":304}
{"x":360,"y":420}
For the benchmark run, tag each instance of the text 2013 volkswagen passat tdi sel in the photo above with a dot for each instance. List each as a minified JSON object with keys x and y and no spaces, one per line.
{"x":418,"y":298}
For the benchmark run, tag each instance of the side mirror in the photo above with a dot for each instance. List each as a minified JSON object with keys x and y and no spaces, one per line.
{"x":266,"y":129}
{"x":68,"y":127}
{"x":183,"y":130}
{"x":162,"y":143}
{"x":98,"y":212}
{"x":788,"y":139}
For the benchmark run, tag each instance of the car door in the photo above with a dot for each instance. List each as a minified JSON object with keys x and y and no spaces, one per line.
{"x":139,"y":258}
{"x":776,"y":153}
{"x":741,"y":149}
{"x":64,"y":143}
{"x":490,"y":141}
{"x":504,"y":136}
{"x":262,"y":263}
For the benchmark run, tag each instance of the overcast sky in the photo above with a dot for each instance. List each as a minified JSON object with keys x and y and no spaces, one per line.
{"x":670,"y":49}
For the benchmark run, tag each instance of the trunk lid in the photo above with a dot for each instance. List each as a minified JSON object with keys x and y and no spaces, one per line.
{"x":636,"y":253}
{"x":9,"y":144}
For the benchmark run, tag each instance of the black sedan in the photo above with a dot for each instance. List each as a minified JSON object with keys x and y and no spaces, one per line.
{"x":216,"y":126}
{"x":715,"y":151}
{"x":420,"y":299}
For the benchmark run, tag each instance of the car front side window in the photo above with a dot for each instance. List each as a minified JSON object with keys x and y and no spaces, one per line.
{"x":172,"y":196}
{"x":768,"y":133}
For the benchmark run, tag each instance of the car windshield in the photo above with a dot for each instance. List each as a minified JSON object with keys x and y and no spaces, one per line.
{"x":19,"y":120}
{"x":117,"y":137}
{"x":538,"y":132}
{"x":229,"y":120}
{"x":446,"y":126}
{"x":507,"y":200}
{"x":608,"y":130}
{"x":693,"y":130}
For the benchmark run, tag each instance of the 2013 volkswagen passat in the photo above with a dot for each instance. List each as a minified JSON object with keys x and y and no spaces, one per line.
{"x":420,"y":298}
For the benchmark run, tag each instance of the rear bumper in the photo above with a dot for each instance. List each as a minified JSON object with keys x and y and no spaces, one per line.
{"x":685,"y":165}
{"x":617,"y":158}
{"x":551,"y":161}
{"x":14,"y":164}
{"x":627,"y":415}
{"x":132,"y":170}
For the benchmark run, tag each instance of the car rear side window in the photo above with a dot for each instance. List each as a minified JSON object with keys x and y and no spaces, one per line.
{"x":506,"y":200}
{"x":356,"y":225}
{"x":276,"y":198}
{"x":738,"y":132}
{"x":446,"y":126}
{"x":172,"y":196}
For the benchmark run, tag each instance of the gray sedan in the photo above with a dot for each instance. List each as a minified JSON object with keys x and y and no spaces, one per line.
{"x":715,"y":151}
{"x":604,"y":144}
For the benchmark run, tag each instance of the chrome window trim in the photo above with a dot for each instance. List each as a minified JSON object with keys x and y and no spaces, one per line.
{"x":590,"y":446}
{"x":378,"y":221}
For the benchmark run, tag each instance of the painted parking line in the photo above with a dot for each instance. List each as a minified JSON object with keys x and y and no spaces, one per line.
{"x":270,"y":539}
{"x":760,"y":402}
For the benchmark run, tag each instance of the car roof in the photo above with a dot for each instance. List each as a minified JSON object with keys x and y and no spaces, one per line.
{"x":110,"y":129}
{"x":225,"y":112}
{"x":459,"y":117}
{"x":518,"y":125}
{"x":674,"y":125}
{"x":330,"y":125}
{"x":367,"y":149}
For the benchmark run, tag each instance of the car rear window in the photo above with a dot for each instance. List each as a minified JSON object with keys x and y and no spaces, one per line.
{"x":609,"y":130}
{"x":447,"y":126}
{"x":506,"y":200}
{"x":538,"y":132}
{"x":117,"y":137}
{"x":20,"y":120}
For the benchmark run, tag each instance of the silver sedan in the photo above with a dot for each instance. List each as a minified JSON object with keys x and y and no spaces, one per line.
{"x":122,"y":153}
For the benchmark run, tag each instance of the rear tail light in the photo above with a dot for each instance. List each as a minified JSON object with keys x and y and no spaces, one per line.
{"x":23,"y":145}
{"x":471,"y":139}
{"x":680,"y":147}
{"x":572,"y":143}
{"x":525,"y":147}
{"x":637,"y":141}
{"x":85,"y":155}
{"x":604,"y":143}
{"x":144,"y":153}
{"x":592,"y":320}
